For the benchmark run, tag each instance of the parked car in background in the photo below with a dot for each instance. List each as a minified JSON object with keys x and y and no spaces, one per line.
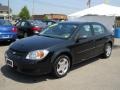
{"x":41,"y":23}
{"x":29,"y":27}
{"x":59,"y":47}
{"x":49,"y":22}
{"x":8,"y":32}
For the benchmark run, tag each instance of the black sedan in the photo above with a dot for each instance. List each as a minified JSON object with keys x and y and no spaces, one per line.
{"x":29,"y":27}
{"x":59,"y":47}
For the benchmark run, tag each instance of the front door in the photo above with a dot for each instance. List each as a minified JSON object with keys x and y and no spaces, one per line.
{"x":84,"y":48}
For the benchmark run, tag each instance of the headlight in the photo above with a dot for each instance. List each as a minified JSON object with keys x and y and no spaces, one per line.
{"x":37,"y":54}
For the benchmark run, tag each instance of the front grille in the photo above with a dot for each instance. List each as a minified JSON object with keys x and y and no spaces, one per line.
{"x":16,"y":53}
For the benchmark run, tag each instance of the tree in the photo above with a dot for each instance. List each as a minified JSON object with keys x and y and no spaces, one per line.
{"x":24,"y":13}
{"x":45,"y":17}
{"x":14,"y":17}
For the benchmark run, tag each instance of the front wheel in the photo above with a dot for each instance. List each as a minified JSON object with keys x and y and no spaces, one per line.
{"x":61,"y":66}
{"x":107,"y":50}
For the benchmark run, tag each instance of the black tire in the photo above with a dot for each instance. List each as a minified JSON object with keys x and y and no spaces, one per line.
{"x":107,"y":54}
{"x":13,"y":40}
{"x":56,"y":64}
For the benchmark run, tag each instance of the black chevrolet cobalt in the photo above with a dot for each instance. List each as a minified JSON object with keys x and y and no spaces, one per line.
{"x":58,"y":47}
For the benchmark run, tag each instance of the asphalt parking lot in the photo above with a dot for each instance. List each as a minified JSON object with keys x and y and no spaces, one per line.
{"x":95,"y":74}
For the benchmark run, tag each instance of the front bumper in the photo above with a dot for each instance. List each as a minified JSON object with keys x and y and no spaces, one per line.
{"x":29,"y":67}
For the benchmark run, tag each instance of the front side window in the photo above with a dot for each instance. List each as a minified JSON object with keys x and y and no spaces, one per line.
{"x":60,"y":30}
{"x":85,"y":31}
{"x":98,"y":29}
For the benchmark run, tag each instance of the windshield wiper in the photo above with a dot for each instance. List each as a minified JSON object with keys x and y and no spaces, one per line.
{"x":46,"y":35}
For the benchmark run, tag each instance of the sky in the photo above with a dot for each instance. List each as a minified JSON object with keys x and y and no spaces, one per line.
{"x":54,"y":6}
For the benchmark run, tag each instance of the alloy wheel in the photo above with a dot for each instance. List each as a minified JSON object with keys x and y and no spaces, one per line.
{"x":108,"y":50}
{"x":62,"y":66}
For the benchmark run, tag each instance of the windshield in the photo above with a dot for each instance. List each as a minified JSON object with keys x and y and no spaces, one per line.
{"x":5,"y":23}
{"x":60,"y":30}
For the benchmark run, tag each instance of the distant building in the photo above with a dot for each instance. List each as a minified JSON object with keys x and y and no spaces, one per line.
{"x":51,"y":17}
{"x":4,"y":10}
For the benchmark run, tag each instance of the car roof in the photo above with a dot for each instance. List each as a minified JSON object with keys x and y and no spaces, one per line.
{"x":48,"y":20}
{"x":77,"y":22}
{"x":3,"y":20}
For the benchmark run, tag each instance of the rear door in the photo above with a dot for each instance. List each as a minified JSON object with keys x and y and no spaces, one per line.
{"x":100,"y":33}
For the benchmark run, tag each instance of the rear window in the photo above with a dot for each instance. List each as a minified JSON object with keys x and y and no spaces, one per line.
{"x":37,"y":23}
{"x":32,"y":22}
{"x":5,"y":23}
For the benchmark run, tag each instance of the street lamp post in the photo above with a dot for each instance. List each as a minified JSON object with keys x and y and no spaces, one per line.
{"x":106,"y":1}
{"x":33,"y":9}
{"x":89,"y":3}
{"x":8,"y":10}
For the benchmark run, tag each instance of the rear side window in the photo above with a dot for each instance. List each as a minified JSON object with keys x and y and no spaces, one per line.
{"x":98,"y":29}
{"x":85,"y":31}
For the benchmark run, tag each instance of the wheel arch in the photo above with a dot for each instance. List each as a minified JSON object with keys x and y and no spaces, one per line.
{"x":62,"y":52}
{"x":110,"y":43}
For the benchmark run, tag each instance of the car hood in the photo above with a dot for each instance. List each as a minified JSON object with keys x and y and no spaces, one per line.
{"x":35,"y":43}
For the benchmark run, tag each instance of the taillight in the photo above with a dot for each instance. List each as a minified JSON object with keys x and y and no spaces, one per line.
{"x":14,"y":29}
{"x":36,"y":28}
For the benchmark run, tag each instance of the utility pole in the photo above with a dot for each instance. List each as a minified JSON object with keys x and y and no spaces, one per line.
{"x":33,"y":8}
{"x":106,"y":1}
{"x":89,"y":3}
{"x":8,"y":10}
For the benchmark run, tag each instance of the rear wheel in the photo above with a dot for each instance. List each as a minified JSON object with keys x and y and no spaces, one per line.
{"x":61,"y":66}
{"x":107,"y":50}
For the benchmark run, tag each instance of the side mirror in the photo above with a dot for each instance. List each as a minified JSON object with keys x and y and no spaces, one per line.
{"x":81,"y":38}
